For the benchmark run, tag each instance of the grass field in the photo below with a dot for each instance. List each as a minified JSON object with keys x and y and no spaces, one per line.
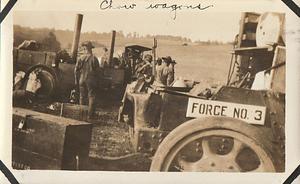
{"x":196,"y":62}
{"x":199,"y":62}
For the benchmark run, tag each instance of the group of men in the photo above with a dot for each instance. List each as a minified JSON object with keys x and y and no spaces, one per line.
{"x":87,"y":72}
{"x":164,"y":70}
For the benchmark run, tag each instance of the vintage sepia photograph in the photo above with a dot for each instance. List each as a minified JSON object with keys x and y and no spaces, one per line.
{"x":146,"y":93}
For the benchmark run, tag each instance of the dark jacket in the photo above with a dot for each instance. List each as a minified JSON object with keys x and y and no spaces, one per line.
{"x":87,"y":70}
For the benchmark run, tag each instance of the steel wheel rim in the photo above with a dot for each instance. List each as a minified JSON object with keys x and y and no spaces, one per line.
{"x":266,"y":164}
{"x":47,"y":78}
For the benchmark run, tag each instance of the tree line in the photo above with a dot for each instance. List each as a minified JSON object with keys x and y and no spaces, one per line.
{"x":54,"y":40}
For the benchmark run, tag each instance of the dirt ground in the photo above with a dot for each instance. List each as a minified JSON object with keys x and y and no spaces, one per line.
{"x":110,"y":138}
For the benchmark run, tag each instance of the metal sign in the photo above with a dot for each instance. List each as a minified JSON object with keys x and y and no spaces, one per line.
{"x":204,"y":108}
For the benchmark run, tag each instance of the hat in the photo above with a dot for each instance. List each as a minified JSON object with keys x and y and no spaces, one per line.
{"x":148,"y":56}
{"x":88,"y":44}
{"x":167,"y":59}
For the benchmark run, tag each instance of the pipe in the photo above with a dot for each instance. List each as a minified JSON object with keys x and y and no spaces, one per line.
{"x":112,"y":47}
{"x":154,"y":56}
{"x":76,"y":37}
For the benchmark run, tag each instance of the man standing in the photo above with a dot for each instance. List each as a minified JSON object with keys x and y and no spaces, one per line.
{"x":86,"y":76}
{"x":158,"y":62}
{"x":163,"y":72}
{"x":171,"y":75}
{"x":104,"y":58}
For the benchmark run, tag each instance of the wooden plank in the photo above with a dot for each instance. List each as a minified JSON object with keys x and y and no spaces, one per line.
{"x":241,"y":30}
{"x":252,"y":50}
{"x":50,"y":58}
{"x":248,"y":43}
{"x":73,"y":111}
{"x":248,"y":24}
{"x":278,"y":74}
{"x":80,"y":112}
{"x":24,"y":57}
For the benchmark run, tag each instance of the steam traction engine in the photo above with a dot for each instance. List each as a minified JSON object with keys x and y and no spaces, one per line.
{"x":239,"y":128}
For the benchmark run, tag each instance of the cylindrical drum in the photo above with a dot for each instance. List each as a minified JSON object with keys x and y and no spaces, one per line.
{"x":270,"y":29}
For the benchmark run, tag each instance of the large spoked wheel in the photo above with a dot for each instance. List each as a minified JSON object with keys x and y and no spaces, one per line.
{"x":48,"y":80}
{"x":214,"y":144}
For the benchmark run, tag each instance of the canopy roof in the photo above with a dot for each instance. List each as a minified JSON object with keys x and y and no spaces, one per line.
{"x":138,"y":48}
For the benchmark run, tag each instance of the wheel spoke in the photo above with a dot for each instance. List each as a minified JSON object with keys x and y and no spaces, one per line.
{"x":236,"y":148}
{"x":200,"y":165}
{"x":206,"y":149}
{"x":185,"y":165}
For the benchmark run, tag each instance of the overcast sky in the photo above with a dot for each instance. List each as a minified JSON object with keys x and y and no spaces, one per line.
{"x":195,"y":25}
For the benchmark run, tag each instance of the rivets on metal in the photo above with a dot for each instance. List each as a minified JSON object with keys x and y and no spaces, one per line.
{"x":160,"y":135}
{"x":274,"y":123}
{"x":139,"y":148}
{"x":153,"y":136}
{"x":160,"y":140}
{"x":197,"y":150}
{"x":198,"y":144}
{"x":141,"y":134}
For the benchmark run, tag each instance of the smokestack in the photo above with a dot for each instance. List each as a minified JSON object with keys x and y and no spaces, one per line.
{"x":112,"y":47}
{"x":154,"y":56}
{"x":76,"y":37}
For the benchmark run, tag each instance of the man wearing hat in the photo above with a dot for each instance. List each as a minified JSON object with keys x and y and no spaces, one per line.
{"x":163,"y":72}
{"x":86,"y":76}
{"x":145,"y":68}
